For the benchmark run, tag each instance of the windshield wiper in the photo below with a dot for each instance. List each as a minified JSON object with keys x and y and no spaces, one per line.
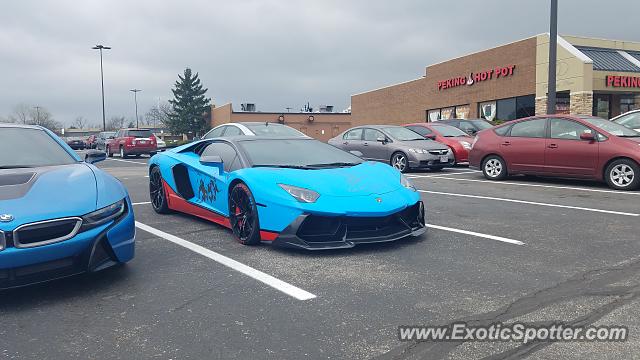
{"x":15,"y":166}
{"x":283,"y":166}
{"x":335,"y":164}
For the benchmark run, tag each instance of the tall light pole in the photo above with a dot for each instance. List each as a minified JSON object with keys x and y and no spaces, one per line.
{"x":553,"y":46}
{"x":102,"y":47}
{"x":37,"y":114}
{"x":135,"y":98}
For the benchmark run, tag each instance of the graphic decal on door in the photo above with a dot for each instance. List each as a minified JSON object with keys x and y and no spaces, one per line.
{"x":208,"y":192}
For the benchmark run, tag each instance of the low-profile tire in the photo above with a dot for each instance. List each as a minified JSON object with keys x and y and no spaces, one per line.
{"x":623,"y":174}
{"x":156,"y":192}
{"x":243,"y":215}
{"x":400,"y":161}
{"x":122,"y":153}
{"x":494,"y":168}
{"x":108,"y":151}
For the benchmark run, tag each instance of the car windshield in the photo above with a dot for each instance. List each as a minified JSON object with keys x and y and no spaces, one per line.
{"x":481,"y":124}
{"x":448,"y":131}
{"x":20,"y":147}
{"x":402,"y":134}
{"x":268,"y":129}
{"x":611,"y":127}
{"x":139,"y":133}
{"x":631,"y":121}
{"x":296,"y":153}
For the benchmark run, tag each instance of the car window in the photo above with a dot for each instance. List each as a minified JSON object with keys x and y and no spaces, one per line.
{"x":31,"y":148}
{"x":448,"y":131}
{"x":217,"y":132}
{"x":139,"y":133}
{"x":271,"y":129}
{"x":481,"y":124}
{"x":402,"y":134}
{"x":631,"y":121}
{"x":611,"y":127}
{"x":355,"y":134}
{"x":467,"y":126}
{"x":420,"y":130}
{"x":226,"y":152}
{"x":503,"y":130}
{"x":567,"y":129}
{"x":529,"y":129}
{"x":372,"y":135}
{"x":231,"y":131}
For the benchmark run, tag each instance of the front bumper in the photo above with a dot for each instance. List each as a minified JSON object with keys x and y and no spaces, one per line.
{"x":88,"y":251}
{"x":426,"y":161}
{"x":321,"y":232}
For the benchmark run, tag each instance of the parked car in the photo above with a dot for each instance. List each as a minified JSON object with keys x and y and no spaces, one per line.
{"x":630,"y":119}
{"x":286,"y":191}
{"x":76,"y":143}
{"x":457,"y":140}
{"x":469,"y":126}
{"x":252,"y":129}
{"x":91,"y":141}
{"x":560,"y":145}
{"x":59,"y":215}
{"x":160,"y":143}
{"x":395,"y":145}
{"x":132,"y":142}
{"x":101,"y":139}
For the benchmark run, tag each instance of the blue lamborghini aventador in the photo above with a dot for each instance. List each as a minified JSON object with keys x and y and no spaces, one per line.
{"x":59,"y":214}
{"x":293,"y":192}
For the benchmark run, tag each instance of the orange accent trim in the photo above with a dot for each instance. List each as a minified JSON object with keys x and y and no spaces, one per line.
{"x":175,"y":202}
{"x":268,"y":235}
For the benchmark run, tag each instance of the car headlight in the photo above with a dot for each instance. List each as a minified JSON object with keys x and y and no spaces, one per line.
{"x":466,"y":145}
{"x":407,"y":183}
{"x":103,"y":216}
{"x":301,"y":194}
{"x":418,"y":151}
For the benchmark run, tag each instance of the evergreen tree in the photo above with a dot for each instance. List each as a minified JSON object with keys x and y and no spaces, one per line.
{"x":189,"y":106}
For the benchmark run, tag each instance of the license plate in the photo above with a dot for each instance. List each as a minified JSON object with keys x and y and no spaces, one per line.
{"x":142,"y":142}
{"x":444,"y":158}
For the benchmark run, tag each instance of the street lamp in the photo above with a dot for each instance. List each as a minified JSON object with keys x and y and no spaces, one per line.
{"x":102,"y":47}
{"x":135,"y":98}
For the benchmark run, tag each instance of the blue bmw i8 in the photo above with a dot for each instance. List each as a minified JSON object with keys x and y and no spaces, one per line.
{"x":292,"y":192}
{"x":59,"y":214}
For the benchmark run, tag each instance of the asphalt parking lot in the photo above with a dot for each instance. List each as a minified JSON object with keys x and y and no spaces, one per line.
{"x":528,"y":249}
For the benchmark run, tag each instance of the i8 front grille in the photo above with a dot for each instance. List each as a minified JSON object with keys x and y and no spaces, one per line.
{"x":46,"y":232}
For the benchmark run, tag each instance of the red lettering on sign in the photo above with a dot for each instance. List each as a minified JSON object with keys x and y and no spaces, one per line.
{"x":609,"y":80}
{"x":500,"y":71}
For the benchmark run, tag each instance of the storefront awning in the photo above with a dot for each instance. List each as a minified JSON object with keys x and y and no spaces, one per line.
{"x":610,"y":59}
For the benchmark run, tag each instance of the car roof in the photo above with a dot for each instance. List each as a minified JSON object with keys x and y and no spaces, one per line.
{"x":256,"y":123}
{"x":135,"y":129}
{"x":21,"y":126}
{"x":240,"y":138}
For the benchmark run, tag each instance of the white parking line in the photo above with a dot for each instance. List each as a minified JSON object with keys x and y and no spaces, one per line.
{"x":141,"y":203}
{"x":439,"y":174}
{"x":128,"y":161}
{"x":539,"y":185}
{"x":473,"y":233}
{"x":228,"y":262}
{"x":531,"y":203}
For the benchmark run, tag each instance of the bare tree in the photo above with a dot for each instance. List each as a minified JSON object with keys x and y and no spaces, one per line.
{"x":115,"y":123}
{"x":157,"y":116}
{"x":80,"y":122}
{"x":34,"y":115}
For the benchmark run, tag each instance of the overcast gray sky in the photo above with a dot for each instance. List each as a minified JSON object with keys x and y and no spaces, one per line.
{"x":275,"y":53}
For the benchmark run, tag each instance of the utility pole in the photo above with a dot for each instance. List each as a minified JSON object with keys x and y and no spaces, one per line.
{"x":135,"y":98}
{"x":37,"y":114}
{"x":553,"y":47}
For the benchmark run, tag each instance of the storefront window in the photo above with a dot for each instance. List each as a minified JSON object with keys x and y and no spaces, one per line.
{"x":525,"y":106}
{"x":627,"y":103}
{"x":447,"y":113}
{"x":563,"y":103}
{"x":487,"y":110}
{"x":506,"y":109}
{"x":433,"y":115}
{"x":462,"y":112}
{"x":601,"y":106}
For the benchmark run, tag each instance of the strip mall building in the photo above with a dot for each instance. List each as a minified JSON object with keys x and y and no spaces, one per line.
{"x":594,"y":77}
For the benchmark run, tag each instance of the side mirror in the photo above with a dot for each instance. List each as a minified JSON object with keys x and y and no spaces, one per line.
{"x":356,"y":153}
{"x":211,"y":160}
{"x":587,"y":136}
{"x":94,"y":156}
{"x":382,"y":139}
{"x":111,"y":137}
{"x":430,"y":136}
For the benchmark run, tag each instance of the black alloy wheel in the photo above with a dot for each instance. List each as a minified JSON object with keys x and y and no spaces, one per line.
{"x":156,"y":192}
{"x":243,"y":215}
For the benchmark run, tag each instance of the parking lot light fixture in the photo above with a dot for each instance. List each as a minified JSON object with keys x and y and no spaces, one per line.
{"x":102,"y":47}
{"x":135,"y":99}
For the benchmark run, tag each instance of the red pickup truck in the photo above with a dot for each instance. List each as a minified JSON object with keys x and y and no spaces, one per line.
{"x":132,"y":142}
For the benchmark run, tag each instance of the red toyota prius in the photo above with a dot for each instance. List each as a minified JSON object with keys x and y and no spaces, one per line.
{"x":457,"y":140}
{"x":563,"y":146}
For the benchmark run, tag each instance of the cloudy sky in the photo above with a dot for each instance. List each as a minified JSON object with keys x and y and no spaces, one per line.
{"x":275,"y":53}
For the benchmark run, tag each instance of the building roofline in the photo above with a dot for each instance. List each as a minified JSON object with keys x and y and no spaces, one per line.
{"x":603,"y":39}
{"x":572,"y":49}
{"x":388,"y":86}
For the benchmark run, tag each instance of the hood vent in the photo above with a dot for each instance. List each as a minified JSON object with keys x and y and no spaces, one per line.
{"x":15,"y":179}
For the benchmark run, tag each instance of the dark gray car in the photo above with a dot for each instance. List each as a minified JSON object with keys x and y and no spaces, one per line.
{"x":101,"y":139}
{"x":395,"y":145}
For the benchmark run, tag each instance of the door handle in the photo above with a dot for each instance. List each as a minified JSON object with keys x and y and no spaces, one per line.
{"x":553,"y":146}
{"x":506,"y":143}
